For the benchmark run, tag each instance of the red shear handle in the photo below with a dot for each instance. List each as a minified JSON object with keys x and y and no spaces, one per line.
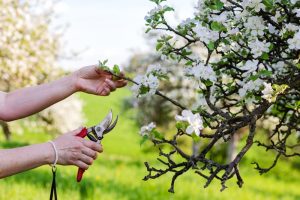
{"x":80,"y":171}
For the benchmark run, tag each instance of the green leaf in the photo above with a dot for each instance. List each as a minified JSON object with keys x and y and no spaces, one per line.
{"x":271,"y":47}
{"x":144,"y":139}
{"x":219,"y":5}
{"x":105,"y":62}
{"x":159,"y":46}
{"x":265,"y":56}
{"x":102,"y":65}
{"x":144,"y":89}
{"x":254,"y":77}
{"x":157,"y":134}
{"x":216,"y":26}
{"x":195,"y":137}
{"x":268,"y":3}
{"x":207,"y":83}
{"x":189,"y":63}
{"x":211,"y":46}
{"x":169,"y":9}
{"x":180,"y":125}
{"x":265,"y":73}
{"x":148,"y":29}
{"x":116,"y":69}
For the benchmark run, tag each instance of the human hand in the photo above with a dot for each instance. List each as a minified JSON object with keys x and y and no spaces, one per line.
{"x":74,"y":150}
{"x":93,"y":80}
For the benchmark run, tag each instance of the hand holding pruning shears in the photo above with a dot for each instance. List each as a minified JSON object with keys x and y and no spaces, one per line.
{"x":96,"y":134}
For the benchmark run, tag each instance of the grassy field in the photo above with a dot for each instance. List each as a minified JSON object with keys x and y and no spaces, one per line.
{"x":118,"y":172}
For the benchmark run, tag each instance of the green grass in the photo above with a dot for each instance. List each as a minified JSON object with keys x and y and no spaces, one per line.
{"x":118,"y":172}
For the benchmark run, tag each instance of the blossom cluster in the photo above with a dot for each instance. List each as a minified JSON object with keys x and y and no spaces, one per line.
{"x":147,"y":84}
{"x":146,"y":130}
{"x":195,"y":123}
{"x":202,"y":71}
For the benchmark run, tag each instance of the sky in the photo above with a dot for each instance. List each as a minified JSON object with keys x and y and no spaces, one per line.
{"x":108,"y":29}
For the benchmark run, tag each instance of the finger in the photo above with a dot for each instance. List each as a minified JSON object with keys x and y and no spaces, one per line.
{"x":101,"y":89}
{"x":89,"y":152}
{"x":103,"y":73}
{"x":93,"y":145}
{"x":86,"y":159}
{"x":105,"y":92}
{"x":120,"y":83}
{"x":111,"y":84}
{"x":81,"y":165}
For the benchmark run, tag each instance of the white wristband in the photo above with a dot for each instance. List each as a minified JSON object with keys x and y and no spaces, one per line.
{"x":56,"y":154}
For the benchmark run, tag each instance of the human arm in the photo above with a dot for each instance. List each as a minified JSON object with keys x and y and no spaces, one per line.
{"x":72,"y":150}
{"x":30,"y":100}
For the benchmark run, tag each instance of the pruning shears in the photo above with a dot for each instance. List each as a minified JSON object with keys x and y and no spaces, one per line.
{"x":96,"y":134}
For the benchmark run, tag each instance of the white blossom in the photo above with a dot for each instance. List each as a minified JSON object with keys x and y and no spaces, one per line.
{"x":294,"y":43}
{"x":297,"y":11}
{"x":205,"y":34}
{"x":258,"y":47}
{"x":267,"y":92}
{"x":221,"y":18}
{"x":201,"y":8}
{"x":202,"y":71}
{"x":292,"y":27}
{"x":257,"y":5}
{"x":250,"y":67}
{"x":187,"y":22}
{"x":255,"y":25}
{"x":250,"y":86}
{"x":194,"y":120}
{"x":145,"y":130}
{"x":154,"y":11}
{"x":278,"y":66}
{"x":150,"y":82}
{"x":276,"y":17}
{"x":156,"y":70}
{"x":272,"y":29}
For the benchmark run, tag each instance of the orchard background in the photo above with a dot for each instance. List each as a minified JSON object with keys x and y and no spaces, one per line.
{"x":31,"y":52}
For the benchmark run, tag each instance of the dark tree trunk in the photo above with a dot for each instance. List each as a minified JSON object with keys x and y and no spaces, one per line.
{"x":6,"y":130}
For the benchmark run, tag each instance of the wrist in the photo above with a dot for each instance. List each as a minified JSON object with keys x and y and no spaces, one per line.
{"x":50,"y":153}
{"x":71,"y":81}
{"x":75,"y":82}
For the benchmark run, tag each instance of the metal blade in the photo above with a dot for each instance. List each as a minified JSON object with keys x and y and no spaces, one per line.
{"x":103,"y":125}
{"x":112,"y":126}
{"x":107,"y":120}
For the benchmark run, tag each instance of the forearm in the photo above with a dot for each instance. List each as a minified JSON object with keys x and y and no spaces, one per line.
{"x":27,"y":101}
{"x":13,"y":161}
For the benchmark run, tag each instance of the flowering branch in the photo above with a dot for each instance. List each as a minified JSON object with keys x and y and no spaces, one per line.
{"x":156,"y":92}
{"x":250,"y":72}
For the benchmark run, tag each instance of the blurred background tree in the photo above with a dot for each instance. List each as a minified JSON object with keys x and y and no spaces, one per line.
{"x":29,"y":49}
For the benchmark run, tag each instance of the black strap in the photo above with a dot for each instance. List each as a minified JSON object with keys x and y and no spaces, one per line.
{"x":53,"y":187}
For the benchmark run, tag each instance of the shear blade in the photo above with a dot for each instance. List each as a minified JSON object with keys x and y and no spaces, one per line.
{"x":112,"y":126}
{"x":107,"y":120}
